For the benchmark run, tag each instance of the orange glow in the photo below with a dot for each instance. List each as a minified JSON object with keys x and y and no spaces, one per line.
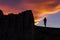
{"x":40,"y":8}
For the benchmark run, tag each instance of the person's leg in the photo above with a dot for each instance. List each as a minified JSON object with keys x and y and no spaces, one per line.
{"x":45,"y":24}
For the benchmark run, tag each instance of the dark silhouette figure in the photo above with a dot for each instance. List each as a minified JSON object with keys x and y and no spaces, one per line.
{"x":45,"y":21}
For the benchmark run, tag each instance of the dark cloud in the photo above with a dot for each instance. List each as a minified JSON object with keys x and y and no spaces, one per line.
{"x":39,"y":7}
{"x":10,"y":2}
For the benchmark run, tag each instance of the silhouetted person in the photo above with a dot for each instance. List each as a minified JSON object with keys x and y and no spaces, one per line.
{"x":45,"y":21}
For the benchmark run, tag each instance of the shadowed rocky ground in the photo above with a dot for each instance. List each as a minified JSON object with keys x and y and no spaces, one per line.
{"x":16,"y":27}
{"x":42,"y":33}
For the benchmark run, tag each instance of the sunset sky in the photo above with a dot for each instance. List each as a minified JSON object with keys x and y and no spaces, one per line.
{"x":40,"y":9}
{"x":52,"y":21}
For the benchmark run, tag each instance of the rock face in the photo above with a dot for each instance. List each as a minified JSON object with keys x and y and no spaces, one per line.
{"x":21,"y":27}
{"x":17,"y":27}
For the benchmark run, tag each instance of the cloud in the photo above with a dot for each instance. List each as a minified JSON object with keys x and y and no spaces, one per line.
{"x":40,"y":8}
